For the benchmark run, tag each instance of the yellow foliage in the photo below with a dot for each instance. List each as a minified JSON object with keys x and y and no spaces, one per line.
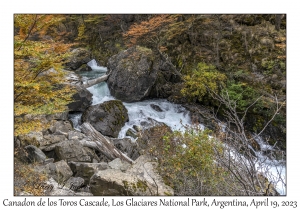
{"x":37,"y":88}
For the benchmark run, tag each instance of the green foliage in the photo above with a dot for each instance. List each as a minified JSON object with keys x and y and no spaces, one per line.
{"x":187,"y":162}
{"x":241,"y":94}
{"x":201,"y":80}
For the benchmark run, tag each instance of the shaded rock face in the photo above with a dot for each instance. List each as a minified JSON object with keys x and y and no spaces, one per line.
{"x":133,"y":72}
{"x":79,"y":57}
{"x":108,"y":118}
{"x":82,"y":99}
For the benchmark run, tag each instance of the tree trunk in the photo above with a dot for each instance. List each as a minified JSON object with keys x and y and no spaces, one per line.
{"x":92,"y":82}
{"x":102,"y":144}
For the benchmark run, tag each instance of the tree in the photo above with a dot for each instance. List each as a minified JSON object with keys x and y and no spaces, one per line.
{"x":38,"y":75}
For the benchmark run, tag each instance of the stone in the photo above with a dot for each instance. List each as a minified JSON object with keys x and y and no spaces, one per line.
{"x":119,"y":164}
{"x":127,"y":146}
{"x":49,"y":142}
{"x":86,"y":170}
{"x":82,"y":99}
{"x":34,"y":154}
{"x":60,"y":128}
{"x":72,"y":151}
{"x":108,"y":118}
{"x":58,"y":189}
{"x":63,"y":171}
{"x":79,"y":56}
{"x":156,"y":107}
{"x":139,"y":180}
{"x":75,"y":135}
{"x":133,"y":72}
{"x":74,"y":183}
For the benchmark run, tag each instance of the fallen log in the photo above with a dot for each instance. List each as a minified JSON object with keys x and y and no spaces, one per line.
{"x":95,"y":81}
{"x":102,"y":144}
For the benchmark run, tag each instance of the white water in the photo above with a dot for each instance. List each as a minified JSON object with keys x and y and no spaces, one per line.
{"x":173,"y":115}
{"x":93,"y":64}
{"x":176,"y":117}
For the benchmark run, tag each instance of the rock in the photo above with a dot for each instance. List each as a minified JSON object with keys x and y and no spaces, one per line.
{"x":74,"y":183}
{"x":72,"y":151}
{"x":133,"y":72}
{"x":119,"y":164}
{"x":145,"y":169}
{"x":34,"y":138}
{"x":63,"y":171}
{"x":79,"y":56}
{"x":82,"y":99}
{"x":138,"y":180}
{"x":75,"y":135}
{"x":113,"y":182}
{"x":58,"y":189}
{"x":108,"y":118}
{"x":83,"y":194}
{"x":126,"y":146}
{"x":132,"y":133}
{"x":49,"y":142}
{"x":86,"y":170}
{"x":23,"y":193}
{"x":58,"y":116}
{"x":34,"y":154}
{"x":156,"y":107}
{"x":60,"y":128}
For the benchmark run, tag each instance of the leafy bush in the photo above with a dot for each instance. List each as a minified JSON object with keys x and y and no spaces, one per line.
{"x":201,"y":79}
{"x":187,"y":162}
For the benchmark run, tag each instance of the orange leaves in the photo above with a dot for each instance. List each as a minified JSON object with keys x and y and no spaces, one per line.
{"x":148,"y":29}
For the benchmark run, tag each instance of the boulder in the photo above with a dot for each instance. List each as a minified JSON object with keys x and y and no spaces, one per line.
{"x":141,"y":179}
{"x":75,"y":135}
{"x":81,"y":99}
{"x":72,"y":151}
{"x":156,"y":107}
{"x":145,"y":169}
{"x":34,"y":154}
{"x":126,"y":146}
{"x":60,"y":128}
{"x":58,"y":189}
{"x":79,"y":56}
{"x":49,"y":142}
{"x":133,"y":72}
{"x":74,"y":183}
{"x":108,"y":118}
{"x":119,"y":164}
{"x":86,"y":170}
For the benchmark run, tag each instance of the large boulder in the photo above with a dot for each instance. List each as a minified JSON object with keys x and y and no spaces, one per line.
{"x":133,"y":72}
{"x":140,"y":179}
{"x":108,"y":118}
{"x":79,"y":57}
{"x":138,"y":73}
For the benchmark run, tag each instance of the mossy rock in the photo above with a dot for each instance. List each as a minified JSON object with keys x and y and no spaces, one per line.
{"x":108,"y":118}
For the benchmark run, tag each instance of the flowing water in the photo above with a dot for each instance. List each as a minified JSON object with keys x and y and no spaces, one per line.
{"x":173,"y":115}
